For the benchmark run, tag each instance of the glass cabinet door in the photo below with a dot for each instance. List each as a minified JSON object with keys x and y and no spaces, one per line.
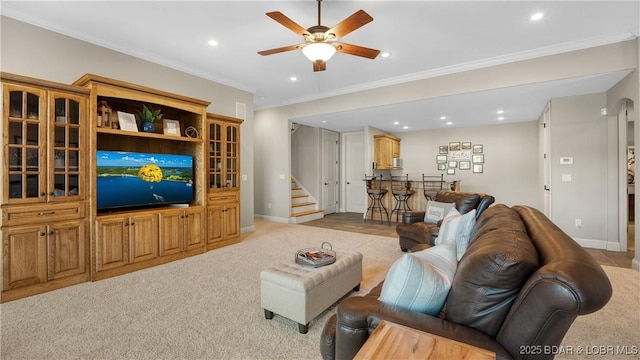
{"x":215,"y":156}
{"x":232,"y":163}
{"x":24,"y":118}
{"x":66,"y":144}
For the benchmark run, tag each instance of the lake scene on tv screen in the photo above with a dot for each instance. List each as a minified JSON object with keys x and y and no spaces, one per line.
{"x":129,"y":179}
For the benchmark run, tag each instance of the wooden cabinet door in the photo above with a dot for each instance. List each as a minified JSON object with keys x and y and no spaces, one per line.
{"x":395,"y":149}
{"x":67,"y":251}
{"x":214,"y":223}
{"x":231,"y":220}
{"x":24,"y":256}
{"x":171,"y":233}
{"x":193,"y":225}
{"x":143,"y":232}
{"x":67,"y":147}
{"x":112,"y":242}
{"x":24,"y":119}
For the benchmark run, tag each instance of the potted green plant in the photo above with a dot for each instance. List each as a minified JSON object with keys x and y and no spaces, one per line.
{"x":147,"y":118}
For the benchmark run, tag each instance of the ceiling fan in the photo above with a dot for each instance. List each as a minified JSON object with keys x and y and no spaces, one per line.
{"x":320,"y":41}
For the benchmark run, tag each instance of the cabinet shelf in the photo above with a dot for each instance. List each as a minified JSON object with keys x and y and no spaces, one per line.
{"x":147,"y":135}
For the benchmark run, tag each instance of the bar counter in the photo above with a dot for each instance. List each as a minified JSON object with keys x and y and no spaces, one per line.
{"x":416,"y":202}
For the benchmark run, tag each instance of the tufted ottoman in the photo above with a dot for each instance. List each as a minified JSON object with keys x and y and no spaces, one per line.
{"x":301,"y":293}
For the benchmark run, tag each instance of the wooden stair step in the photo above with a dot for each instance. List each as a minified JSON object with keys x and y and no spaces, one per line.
{"x":296,"y":188}
{"x":302,"y":204}
{"x":299,"y":196}
{"x":303,"y":213}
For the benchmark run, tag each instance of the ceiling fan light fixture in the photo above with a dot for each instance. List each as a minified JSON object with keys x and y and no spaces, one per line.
{"x":318,"y":52}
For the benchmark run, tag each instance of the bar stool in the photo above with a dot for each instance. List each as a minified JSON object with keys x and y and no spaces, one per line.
{"x":376,"y":193}
{"x":431,"y":184}
{"x":401,"y":190}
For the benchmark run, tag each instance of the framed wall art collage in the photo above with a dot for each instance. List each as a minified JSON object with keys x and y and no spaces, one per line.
{"x":461,"y":156}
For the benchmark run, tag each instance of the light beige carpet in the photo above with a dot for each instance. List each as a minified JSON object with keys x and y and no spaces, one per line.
{"x":208,"y":307}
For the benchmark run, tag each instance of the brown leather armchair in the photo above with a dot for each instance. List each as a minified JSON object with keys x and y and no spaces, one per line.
{"x":414,"y":231}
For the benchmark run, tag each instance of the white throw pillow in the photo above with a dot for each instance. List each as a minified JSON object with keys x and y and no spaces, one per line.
{"x":421,"y":281}
{"x":459,"y":228}
{"x":436,"y":211}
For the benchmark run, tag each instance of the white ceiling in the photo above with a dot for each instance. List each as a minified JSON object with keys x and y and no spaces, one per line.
{"x":425,"y":38}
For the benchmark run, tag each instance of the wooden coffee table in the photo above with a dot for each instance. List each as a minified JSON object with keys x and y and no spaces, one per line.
{"x":393,"y":341}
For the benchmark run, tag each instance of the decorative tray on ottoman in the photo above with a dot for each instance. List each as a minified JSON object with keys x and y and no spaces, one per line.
{"x":316,"y":257}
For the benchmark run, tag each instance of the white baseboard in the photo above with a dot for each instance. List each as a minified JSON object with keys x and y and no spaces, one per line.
{"x":635,"y":264}
{"x":272,"y":218}
{"x":247,"y":229}
{"x":599,"y":244}
{"x":592,"y":244}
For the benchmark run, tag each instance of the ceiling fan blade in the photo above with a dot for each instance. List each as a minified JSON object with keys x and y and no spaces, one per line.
{"x":288,"y":23}
{"x":319,"y":66}
{"x":278,"y":50}
{"x":356,"y":20}
{"x":357,"y":50}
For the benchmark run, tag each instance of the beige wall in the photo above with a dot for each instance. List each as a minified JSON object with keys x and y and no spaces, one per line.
{"x":592,"y":61}
{"x":35,"y":52}
{"x":510,"y":155}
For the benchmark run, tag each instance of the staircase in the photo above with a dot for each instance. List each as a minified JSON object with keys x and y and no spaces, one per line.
{"x":303,"y":206}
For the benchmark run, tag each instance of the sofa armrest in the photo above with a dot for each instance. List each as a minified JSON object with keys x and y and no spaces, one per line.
{"x":357,"y":317}
{"x":410,"y":217}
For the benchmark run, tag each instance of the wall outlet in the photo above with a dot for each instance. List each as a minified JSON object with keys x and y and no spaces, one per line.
{"x":578,"y":223}
{"x":269,"y":205}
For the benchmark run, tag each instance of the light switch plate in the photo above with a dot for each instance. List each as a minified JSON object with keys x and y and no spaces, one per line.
{"x":566,"y":177}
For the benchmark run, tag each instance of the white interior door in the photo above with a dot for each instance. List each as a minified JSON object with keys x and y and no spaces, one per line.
{"x":545,"y":131}
{"x":354,"y":170}
{"x":624,"y":186}
{"x":330,"y":173}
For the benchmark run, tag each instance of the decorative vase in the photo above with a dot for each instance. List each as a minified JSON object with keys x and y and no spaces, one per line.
{"x":148,"y":127}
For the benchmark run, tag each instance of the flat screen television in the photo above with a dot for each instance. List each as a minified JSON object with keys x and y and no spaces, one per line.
{"x":135,"y":179}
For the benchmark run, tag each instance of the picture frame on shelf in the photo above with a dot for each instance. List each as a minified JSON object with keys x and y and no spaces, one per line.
{"x":454,"y":146}
{"x":478,"y":149}
{"x":443,"y":149}
{"x":466,"y":145}
{"x":442,"y":167}
{"x":127,"y":121}
{"x":478,"y":159}
{"x":452,"y":164}
{"x":171,"y":127}
{"x":441,"y":159}
{"x":464,"y":165}
{"x":451,"y":171}
{"x":478,"y":168}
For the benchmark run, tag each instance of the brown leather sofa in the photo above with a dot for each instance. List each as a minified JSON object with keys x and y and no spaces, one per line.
{"x":516,"y":291}
{"x":413,"y":230}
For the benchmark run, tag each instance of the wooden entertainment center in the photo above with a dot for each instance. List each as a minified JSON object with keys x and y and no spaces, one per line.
{"x":52,"y":232}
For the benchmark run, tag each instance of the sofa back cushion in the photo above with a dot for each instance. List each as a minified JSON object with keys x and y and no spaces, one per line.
{"x":464,"y":201}
{"x":498,"y":262}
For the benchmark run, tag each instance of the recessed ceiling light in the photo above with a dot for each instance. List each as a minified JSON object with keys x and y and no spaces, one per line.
{"x":449,"y":123}
{"x":405,"y":127}
{"x":396,"y":123}
{"x":501,"y":118}
{"x":213,"y":43}
{"x":500,"y":112}
{"x":537,"y":16}
{"x":385,"y":54}
{"x":443,"y":118}
{"x":293,"y":78}
{"x":324,"y":121}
